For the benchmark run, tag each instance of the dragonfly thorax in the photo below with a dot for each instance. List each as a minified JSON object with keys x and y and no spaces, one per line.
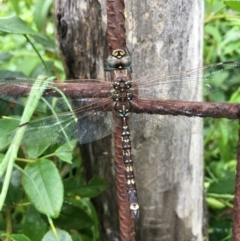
{"x":122,"y":110}
{"x":122,"y":90}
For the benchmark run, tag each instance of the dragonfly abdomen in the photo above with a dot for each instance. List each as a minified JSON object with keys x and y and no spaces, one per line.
{"x":129,"y":171}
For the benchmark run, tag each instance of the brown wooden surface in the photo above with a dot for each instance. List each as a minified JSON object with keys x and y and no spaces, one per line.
{"x":162,"y":36}
{"x":165,"y":37}
{"x":81,"y":38}
{"x":81,"y":34}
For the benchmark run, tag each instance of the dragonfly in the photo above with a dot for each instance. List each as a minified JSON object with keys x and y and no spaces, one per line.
{"x":88,"y":117}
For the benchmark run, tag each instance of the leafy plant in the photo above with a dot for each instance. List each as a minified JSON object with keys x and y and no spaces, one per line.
{"x":45,"y":188}
{"x":221,"y":43}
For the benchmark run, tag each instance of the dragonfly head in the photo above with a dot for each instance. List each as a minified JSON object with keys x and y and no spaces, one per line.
{"x":118,"y":60}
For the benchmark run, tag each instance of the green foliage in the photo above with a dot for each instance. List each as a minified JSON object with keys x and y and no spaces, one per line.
{"x":221,"y":43}
{"x":47,"y":188}
{"x":30,"y":48}
{"x":46,"y":193}
{"x":221,"y":32}
{"x":43,"y":185}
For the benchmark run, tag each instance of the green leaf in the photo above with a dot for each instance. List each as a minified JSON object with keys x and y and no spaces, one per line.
{"x":41,"y":12}
{"x":213,"y":33}
{"x":28,"y":65}
{"x":94,"y":188}
{"x":1,"y":157}
{"x":234,"y":5}
{"x":46,"y":42}
{"x":9,"y":159}
{"x":83,"y":237}
{"x":16,"y":6}
{"x":19,"y":237}
{"x":73,"y":217}
{"x":36,"y":151}
{"x":6,"y":127}
{"x":64,"y":152}
{"x":33,"y":226}
{"x":223,"y":186}
{"x":9,"y":73}
{"x":87,"y":205}
{"x":4,"y":57}
{"x":43,"y":185}
{"x":15,"y":191}
{"x":62,"y":236}
{"x":15,"y":25}
{"x":215,"y":203}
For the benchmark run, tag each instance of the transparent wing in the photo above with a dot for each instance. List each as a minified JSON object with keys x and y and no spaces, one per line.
{"x":87,"y":124}
{"x":190,"y":84}
{"x":91,"y":124}
{"x":166,"y":125}
{"x":175,"y":126}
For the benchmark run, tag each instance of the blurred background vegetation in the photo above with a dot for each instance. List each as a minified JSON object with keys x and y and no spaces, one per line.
{"x":221,"y":43}
{"x":18,"y":57}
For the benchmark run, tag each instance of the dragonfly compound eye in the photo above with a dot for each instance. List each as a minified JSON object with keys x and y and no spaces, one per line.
{"x":114,"y":63}
{"x":126,"y":61}
{"x":118,"y":63}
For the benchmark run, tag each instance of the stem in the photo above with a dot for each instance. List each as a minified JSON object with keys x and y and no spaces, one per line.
{"x":53,"y":228}
{"x":220,"y":16}
{"x":25,"y":160}
{"x":11,"y":155}
{"x":38,"y":54}
{"x":8,"y":220}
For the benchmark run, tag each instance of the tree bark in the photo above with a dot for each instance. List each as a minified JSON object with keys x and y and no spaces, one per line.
{"x":162,"y":37}
{"x":81,"y":34}
{"x":166,"y":36}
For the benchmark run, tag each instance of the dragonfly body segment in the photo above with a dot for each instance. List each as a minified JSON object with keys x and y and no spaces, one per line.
{"x":122,"y":97}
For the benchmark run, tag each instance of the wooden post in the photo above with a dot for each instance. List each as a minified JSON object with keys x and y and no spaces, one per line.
{"x":162,"y":37}
{"x":165,"y":37}
{"x":81,"y":34}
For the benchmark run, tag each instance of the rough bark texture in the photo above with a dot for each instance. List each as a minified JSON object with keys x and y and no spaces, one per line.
{"x":166,"y":36}
{"x":162,"y":36}
{"x":81,"y":33}
{"x":80,"y":37}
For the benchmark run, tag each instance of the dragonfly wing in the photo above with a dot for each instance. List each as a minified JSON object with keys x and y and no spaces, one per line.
{"x":191,"y":85}
{"x":166,"y":125}
{"x":86,"y":125}
{"x":176,"y":126}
